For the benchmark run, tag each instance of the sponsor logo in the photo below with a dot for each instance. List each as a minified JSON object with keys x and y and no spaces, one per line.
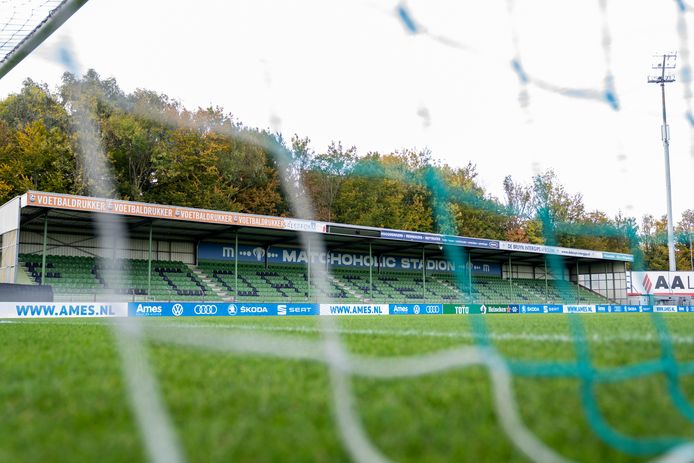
{"x":354,"y":309}
{"x":32,"y":198}
{"x":231,"y":310}
{"x":433,"y":309}
{"x":299,"y":310}
{"x":177,"y":310}
{"x":253,"y":309}
{"x":580,"y":308}
{"x":205,"y":309}
{"x":416,"y":309}
{"x":647,"y":284}
{"x":281,"y":309}
{"x":259,"y":253}
{"x":148,"y":309}
{"x":665,"y":308}
{"x":399,"y":309}
{"x":495,"y":309}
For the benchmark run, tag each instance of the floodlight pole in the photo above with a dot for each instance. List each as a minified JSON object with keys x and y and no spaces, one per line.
{"x":691,"y":255}
{"x":662,"y":79}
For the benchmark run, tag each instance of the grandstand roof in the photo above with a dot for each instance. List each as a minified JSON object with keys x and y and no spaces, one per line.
{"x":70,"y":214}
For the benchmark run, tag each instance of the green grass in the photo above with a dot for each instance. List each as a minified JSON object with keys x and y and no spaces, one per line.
{"x":63,"y":398}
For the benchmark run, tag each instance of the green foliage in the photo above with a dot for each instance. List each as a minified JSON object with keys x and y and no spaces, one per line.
{"x":158,"y":151}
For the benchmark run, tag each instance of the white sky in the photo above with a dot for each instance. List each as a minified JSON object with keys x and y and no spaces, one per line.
{"x":348,"y":70}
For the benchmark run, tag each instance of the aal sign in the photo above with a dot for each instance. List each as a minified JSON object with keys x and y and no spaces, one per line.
{"x":660,"y":283}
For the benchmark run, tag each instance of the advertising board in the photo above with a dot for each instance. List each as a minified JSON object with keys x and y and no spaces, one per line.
{"x":63,"y":310}
{"x":416,"y":309}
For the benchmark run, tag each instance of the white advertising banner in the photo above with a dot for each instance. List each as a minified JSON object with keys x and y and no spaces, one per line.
{"x":30,"y":310}
{"x":579,"y":308}
{"x":660,"y":283}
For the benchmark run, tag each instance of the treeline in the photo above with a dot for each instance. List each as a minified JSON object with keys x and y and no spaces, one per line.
{"x":161,"y":152}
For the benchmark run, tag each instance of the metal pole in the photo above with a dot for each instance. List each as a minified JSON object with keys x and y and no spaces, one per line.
{"x":578,"y":293}
{"x":149,"y":264}
{"x":668,"y":190}
{"x":52,"y":23}
{"x":469,"y":275}
{"x":546,"y":283}
{"x":691,"y":256}
{"x":308,"y":267}
{"x":236,"y":267}
{"x":371,"y":276}
{"x":43,"y":257}
{"x":510,"y":272}
{"x":424,"y":274}
{"x":665,"y":135}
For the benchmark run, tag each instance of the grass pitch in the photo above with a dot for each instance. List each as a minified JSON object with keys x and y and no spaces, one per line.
{"x":63,"y":398}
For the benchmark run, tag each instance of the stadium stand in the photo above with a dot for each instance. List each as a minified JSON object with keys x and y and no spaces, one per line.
{"x":77,"y":277}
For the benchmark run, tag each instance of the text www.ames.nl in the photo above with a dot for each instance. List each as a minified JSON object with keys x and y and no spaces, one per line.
{"x":65,"y":310}
{"x":355,"y":310}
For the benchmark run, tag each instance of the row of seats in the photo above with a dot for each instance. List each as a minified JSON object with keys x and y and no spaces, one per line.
{"x":170,"y":280}
{"x":80,"y":275}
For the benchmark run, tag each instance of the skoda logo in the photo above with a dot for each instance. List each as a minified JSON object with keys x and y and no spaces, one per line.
{"x":232,"y":309}
{"x":205,"y":309}
{"x":177,"y":310}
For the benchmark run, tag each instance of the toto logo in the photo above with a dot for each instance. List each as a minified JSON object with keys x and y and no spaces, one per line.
{"x":205,"y":309}
{"x":177,"y":310}
{"x":231,"y":310}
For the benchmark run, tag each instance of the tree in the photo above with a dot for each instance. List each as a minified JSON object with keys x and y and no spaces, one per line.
{"x":324,"y":176}
{"x":654,"y":243}
{"x":684,"y":254}
{"x":553,"y":206}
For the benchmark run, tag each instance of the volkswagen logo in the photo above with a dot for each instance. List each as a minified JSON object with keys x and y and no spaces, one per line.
{"x":205,"y":309}
{"x":232,"y":309}
{"x":177,"y":310}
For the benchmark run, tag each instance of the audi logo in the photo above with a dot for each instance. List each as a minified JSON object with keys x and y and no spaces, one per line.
{"x":432,"y":309}
{"x":205,"y":309}
{"x":177,"y":310}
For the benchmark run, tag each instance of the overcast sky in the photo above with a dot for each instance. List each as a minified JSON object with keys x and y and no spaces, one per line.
{"x":351,"y":71}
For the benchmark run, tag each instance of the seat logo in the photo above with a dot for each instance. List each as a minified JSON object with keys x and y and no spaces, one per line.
{"x":205,"y":309}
